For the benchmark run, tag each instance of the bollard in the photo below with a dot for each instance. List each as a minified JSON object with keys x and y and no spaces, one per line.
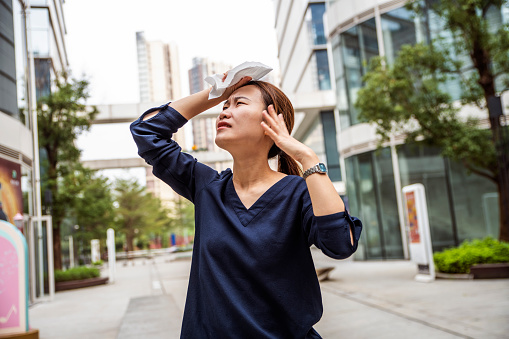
{"x":112,"y":260}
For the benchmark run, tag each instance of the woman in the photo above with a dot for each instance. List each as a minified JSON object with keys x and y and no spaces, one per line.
{"x":252,"y":275}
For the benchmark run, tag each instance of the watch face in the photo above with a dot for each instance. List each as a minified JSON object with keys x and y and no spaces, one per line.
{"x":322,"y":167}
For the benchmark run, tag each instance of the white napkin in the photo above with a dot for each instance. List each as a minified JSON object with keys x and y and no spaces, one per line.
{"x":256,"y":70}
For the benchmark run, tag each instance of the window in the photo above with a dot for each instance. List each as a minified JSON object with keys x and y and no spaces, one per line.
{"x":322,"y":69}
{"x":314,"y":21}
{"x":353,"y":51}
{"x":399,"y":28}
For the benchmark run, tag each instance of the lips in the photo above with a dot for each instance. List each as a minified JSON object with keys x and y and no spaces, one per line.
{"x":223,"y":124}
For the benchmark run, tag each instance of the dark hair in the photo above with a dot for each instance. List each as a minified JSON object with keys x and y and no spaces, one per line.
{"x":274,"y":96}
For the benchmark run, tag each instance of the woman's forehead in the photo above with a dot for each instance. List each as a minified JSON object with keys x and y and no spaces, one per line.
{"x":250,"y":91}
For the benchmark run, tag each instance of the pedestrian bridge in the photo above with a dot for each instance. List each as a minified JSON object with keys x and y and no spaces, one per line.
{"x":307,"y":107}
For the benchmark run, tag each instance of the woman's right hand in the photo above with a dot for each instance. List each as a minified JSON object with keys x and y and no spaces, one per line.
{"x":196,"y":103}
{"x":233,"y":87}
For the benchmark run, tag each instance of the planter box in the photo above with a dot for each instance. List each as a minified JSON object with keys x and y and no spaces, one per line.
{"x":71,"y":285}
{"x":490,"y":271}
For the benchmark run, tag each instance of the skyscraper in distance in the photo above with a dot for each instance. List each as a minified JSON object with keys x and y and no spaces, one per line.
{"x":158,"y":70}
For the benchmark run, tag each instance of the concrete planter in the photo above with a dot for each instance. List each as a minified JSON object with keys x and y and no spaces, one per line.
{"x":490,"y":271}
{"x":73,"y":284}
{"x":480,"y":271}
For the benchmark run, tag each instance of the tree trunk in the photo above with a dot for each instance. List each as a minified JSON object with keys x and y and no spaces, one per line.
{"x":129,"y":239}
{"x":482,"y":61}
{"x":503,"y":201}
{"x":57,"y":248}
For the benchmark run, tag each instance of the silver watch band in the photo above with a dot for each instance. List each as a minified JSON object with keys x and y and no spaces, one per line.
{"x":318,"y":168}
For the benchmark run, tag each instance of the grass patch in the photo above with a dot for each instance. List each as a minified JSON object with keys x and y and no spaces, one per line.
{"x":77,"y":273}
{"x":469,"y":253}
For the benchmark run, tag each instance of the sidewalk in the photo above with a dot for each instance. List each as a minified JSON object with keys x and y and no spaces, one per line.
{"x":362,"y":300}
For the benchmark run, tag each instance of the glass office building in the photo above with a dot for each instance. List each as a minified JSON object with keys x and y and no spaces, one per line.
{"x":460,"y":205}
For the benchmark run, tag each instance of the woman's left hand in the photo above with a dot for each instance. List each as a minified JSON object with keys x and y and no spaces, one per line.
{"x":275,"y":127}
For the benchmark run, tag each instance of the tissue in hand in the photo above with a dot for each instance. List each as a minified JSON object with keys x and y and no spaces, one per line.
{"x":256,"y":70}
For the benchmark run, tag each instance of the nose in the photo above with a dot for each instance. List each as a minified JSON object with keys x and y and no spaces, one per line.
{"x":224,"y":114}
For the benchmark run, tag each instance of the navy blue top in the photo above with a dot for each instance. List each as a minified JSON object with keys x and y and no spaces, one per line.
{"x":252,"y":275}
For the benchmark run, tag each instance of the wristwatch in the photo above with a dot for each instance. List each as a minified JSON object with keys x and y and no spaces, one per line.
{"x":318,"y":168}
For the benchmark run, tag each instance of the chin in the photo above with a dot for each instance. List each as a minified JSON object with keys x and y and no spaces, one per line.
{"x":222,"y":143}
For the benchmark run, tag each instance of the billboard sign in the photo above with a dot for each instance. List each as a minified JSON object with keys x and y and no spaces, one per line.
{"x":418,"y":231}
{"x":11,"y":196}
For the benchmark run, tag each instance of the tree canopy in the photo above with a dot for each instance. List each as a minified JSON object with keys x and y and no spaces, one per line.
{"x":61,"y":117}
{"x":138,"y":212}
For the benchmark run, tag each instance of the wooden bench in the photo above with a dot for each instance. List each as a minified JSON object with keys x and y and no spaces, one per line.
{"x":323,"y":272}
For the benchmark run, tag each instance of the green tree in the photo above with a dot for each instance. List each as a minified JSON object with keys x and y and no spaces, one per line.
{"x":139,"y":213}
{"x":93,"y":208}
{"x":183,"y":212}
{"x":61,"y":117}
{"x":408,"y":96}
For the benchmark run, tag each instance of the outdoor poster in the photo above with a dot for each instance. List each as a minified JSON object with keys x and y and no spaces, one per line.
{"x":412,"y":217}
{"x":11,"y":196}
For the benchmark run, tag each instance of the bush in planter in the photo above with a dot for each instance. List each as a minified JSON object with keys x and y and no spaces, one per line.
{"x":98,"y":263}
{"x":460,"y":259}
{"x":77,"y":273}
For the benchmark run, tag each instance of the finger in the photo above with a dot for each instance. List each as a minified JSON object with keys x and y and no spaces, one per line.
{"x":272,"y":111}
{"x":225,"y":74}
{"x":269,"y":119}
{"x":269,"y":131}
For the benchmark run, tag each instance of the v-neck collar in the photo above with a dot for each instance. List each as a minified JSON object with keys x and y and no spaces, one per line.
{"x":246,"y":215}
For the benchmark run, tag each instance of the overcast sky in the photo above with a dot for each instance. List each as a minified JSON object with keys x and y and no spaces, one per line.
{"x":101,"y":38}
{"x":101,"y":44}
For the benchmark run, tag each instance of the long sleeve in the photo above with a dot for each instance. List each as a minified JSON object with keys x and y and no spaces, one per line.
{"x":331,"y":233}
{"x":179,"y":170}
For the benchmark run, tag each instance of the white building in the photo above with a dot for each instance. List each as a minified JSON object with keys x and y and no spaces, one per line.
{"x":158,"y":70}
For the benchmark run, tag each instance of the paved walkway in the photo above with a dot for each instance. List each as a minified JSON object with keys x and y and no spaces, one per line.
{"x":362,"y":300}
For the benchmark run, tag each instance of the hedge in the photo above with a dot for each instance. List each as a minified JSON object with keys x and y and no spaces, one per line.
{"x":460,"y":259}
{"x":77,"y":273}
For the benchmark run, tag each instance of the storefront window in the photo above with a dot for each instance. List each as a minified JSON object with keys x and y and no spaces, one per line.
{"x":372,"y":196}
{"x":475,"y":204}
{"x":424,"y":165}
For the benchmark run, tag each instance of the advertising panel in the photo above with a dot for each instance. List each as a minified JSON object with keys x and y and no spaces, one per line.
{"x":11,"y":196}
{"x":418,"y":230}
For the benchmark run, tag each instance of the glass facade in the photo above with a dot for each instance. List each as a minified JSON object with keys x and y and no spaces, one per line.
{"x":400,"y":28}
{"x":475,"y":201}
{"x":419,"y":164}
{"x":8,"y":93}
{"x":461,"y":205}
{"x":372,"y":196}
{"x":352,"y":53}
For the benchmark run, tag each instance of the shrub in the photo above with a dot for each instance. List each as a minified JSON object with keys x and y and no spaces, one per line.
{"x":77,"y":273}
{"x":460,"y":259}
{"x":98,"y":263}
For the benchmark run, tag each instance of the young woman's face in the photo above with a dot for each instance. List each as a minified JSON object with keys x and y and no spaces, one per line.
{"x":239,"y":123}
